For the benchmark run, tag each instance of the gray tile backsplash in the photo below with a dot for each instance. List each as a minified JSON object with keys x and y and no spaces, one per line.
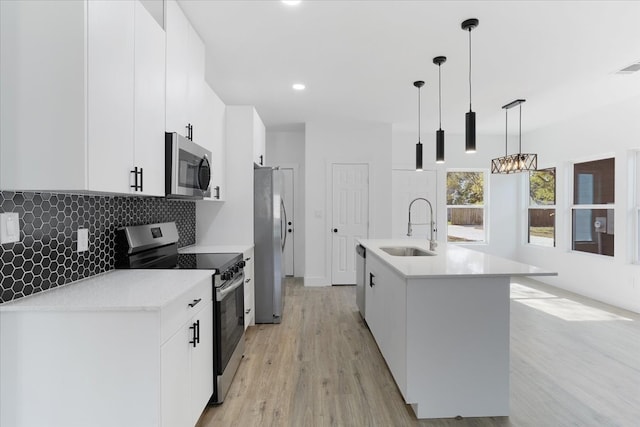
{"x":47,"y":256}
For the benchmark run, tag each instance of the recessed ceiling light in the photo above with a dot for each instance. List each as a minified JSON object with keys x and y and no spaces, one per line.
{"x":298,"y":86}
{"x":291,"y":2}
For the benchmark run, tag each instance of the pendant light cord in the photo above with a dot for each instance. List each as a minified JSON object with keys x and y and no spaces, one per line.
{"x":506,"y":137}
{"x":439,"y":98}
{"x":520,"y":132}
{"x":469,"y":68}
{"x":419,"y":114}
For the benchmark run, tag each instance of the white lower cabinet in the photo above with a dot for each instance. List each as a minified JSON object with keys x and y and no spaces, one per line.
{"x":187,"y":370}
{"x":103,"y":368}
{"x":249,"y":290}
{"x":386,"y":316}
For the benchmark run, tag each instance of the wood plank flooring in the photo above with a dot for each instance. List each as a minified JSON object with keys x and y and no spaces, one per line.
{"x":321,"y":366}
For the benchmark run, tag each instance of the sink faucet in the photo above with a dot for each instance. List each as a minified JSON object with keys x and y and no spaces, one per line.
{"x":432,"y":223}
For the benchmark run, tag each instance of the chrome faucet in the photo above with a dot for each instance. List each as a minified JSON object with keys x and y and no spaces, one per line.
{"x":432,"y":223}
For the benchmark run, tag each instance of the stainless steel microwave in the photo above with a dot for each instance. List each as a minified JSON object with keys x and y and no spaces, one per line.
{"x":187,"y":168}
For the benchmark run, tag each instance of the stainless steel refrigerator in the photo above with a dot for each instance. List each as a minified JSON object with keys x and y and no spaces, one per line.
{"x":270,"y":236}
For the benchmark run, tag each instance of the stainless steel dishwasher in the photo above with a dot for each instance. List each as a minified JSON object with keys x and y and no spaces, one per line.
{"x":361,"y":258}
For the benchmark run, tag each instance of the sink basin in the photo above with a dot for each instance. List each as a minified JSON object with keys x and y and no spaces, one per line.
{"x":406,"y":251}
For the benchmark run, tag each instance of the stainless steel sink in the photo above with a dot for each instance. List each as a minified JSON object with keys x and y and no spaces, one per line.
{"x":406,"y":251}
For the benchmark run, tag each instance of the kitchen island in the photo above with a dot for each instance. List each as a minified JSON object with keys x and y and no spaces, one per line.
{"x":441,"y":322}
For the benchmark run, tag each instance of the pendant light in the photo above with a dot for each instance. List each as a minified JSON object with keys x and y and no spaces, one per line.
{"x":439,"y":60}
{"x":470,"y":117}
{"x":514,"y":163}
{"x":419,"y":85}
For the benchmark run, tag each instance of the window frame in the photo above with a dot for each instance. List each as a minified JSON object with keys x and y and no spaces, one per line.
{"x":484,"y":206}
{"x":553,"y":207}
{"x":573,"y":207}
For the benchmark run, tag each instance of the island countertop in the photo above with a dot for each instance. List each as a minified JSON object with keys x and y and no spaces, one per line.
{"x":449,"y":261}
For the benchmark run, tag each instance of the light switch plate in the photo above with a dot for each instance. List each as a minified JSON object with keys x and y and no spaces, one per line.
{"x":9,"y":227}
{"x":83,"y":239}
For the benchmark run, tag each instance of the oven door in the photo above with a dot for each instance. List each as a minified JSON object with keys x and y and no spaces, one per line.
{"x":228,"y":322}
{"x":188,"y":168}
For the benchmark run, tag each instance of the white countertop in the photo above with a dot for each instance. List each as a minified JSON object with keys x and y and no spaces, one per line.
{"x":116,"y":290}
{"x":214,"y":249}
{"x":450,"y":260}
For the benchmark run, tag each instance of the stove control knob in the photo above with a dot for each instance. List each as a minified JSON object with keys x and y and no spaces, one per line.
{"x":242,"y":264}
{"x":226,"y":275}
{"x":236,"y":268}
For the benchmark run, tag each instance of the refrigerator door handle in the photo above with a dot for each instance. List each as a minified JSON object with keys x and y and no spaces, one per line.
{"x":283,"y":232}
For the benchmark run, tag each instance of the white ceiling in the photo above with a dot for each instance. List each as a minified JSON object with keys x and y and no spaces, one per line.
{"x":359,"y":59}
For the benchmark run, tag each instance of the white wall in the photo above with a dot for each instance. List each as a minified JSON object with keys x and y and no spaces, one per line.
{"x":231,"y":222}
{"x":330,"y":142}
{"x":286,"y":148}
{"x":503,"y":190}
{"x":612,"y":130}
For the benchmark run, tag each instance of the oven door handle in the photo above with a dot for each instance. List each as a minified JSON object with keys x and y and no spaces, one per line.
{"x":222,"y":293}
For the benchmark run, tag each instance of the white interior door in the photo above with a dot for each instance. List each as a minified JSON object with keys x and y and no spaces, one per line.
{"x":406,"y":186}
{"x":350,"y":218}
{"x":288,"y":198}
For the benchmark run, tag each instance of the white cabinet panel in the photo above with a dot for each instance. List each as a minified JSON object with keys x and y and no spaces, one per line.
{"x":149,"y":101}
{"x":249,"y":289}
{"x":259,"y":141}
{"x":176,"y":383}
{"x":110,"y":116}
{"x":177,"y":30}
{"x":185,"y":75}
{"x":202,"y":363}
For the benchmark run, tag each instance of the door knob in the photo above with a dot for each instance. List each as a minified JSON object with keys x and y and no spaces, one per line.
{"x":335,"y":230}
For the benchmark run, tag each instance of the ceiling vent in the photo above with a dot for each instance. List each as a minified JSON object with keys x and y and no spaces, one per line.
{"x":630,"y":69}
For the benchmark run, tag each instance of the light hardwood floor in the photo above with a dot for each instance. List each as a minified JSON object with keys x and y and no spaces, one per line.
{"x":574,"y":362}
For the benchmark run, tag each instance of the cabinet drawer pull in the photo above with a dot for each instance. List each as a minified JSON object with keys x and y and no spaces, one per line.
{"x":195,"y":302}
{"x":247,"y":259}
{"x":371,"y":276}
{"x":247,"y":281}
{"x":247,"y":311}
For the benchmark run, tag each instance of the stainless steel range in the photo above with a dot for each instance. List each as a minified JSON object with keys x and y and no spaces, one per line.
{"x":156,"y":246}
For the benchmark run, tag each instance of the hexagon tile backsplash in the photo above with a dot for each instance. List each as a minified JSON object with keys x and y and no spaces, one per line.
{"x":47,"y":256}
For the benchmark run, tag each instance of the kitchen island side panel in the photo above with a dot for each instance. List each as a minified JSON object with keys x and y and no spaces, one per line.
{"x":458,"y":347}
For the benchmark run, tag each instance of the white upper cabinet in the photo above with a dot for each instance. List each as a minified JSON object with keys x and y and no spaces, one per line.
{"x":185,"y":75}
{"x":212,"y":137}
{"x":149,"y":101}
{"x":75,"y":127}
{"x":259,"y":140}
{"x":110,"y":65}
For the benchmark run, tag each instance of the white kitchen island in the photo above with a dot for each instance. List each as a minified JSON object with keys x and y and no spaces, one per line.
{"x":442,"y":325}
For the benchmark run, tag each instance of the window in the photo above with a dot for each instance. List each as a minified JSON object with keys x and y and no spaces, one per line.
{"x":593,"y":207}
{"x":465,"y":207}
{"x":542,"y":208}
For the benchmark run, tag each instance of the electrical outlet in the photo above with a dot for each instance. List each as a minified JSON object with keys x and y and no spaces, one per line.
{"x":83,"y":239}
{"x":9,"y":227}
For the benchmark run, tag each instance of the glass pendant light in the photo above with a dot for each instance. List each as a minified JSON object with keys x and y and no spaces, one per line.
{"x":439,"y":60}
{"x":470,"y":117}
{"x":419,"y":85}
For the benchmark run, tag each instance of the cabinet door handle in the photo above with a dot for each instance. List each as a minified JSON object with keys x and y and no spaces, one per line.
{"x":247,"y":311}
{"x":141,"y":175}
{"x":217,"y":192}
{"x":247,"y":259}
{"x":198,"y":331}
{"x":193,"y":340}
{"x":195,"y":301}
{"x":261,"y":160}
{"x":247,"y":281}
{"x":371,"y":276}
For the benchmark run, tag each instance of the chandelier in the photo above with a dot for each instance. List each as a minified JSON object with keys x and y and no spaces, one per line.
{"x":514,"y":163}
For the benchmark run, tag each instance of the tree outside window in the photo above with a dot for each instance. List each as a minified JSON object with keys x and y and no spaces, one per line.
{"x":542,"y":210}
{"x":465,"y":206}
